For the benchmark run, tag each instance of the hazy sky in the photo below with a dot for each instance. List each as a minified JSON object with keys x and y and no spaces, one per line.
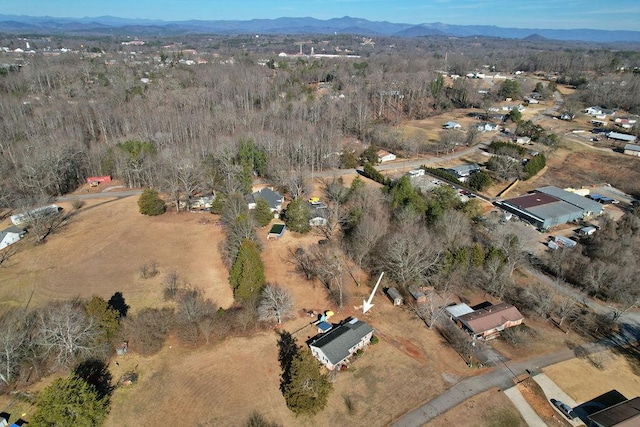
{"x":609,"y":15}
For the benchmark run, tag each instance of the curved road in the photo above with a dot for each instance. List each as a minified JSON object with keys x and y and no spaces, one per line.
{"x":503,"y":378}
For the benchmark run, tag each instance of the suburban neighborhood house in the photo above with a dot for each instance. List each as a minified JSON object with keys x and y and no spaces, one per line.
{"x":334,"y":347}
{"x":487,"y":322}
{"x":10,"y":235}
{"x":622,"y":414}
{"x":318,"y":214}
{"x":452,"y":125}
{"x":385,"y":156}
{"x":273,"y":198}
{"x":463,"y":172}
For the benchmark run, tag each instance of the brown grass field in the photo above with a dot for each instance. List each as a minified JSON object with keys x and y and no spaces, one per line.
{"x":489,"y":409}
{"x":101,"y":250}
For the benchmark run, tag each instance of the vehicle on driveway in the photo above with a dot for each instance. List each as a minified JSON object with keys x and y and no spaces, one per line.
{"x":564,"y":408}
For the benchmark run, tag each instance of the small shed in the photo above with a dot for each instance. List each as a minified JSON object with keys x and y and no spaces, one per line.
{"x":587,"y":231}
{"x":395,"y":296}
{"x":276,"y":231}
{"x":417,"y":294}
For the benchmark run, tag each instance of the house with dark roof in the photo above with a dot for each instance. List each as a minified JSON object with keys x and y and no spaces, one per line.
{"x":273,"y":198}
{"x":463,"y":172}
{"x":488,"y":322}
{"x":334,"y":347}
{"x":10,"y":235}
{"x":624,"y":414}
{"x":318,"y":213}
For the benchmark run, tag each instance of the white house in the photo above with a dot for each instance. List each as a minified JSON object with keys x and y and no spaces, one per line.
{"x":10,"y":235}
{"x":385,"y":156}
{"x":333,"y":348}
{"x":452,"y":125}
{"x":273,"y":198}
{"x":594,"y":111}
{"x":318,"y":214}
{"x":488,"y":127}
{"x":523,"y":140}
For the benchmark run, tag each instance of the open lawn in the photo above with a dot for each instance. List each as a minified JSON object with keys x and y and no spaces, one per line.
{"x":100,"y":251}
{"x":489,"y":409}
{"x":581,"y":380}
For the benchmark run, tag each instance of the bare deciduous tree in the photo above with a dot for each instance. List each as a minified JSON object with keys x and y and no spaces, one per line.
{"x":193,"y":306}
{"x":276,"y":304}
{"x":409,"y":255}
{"x":14,"y":344}
{"x":67,"y":334}
{"x":433,"y":309}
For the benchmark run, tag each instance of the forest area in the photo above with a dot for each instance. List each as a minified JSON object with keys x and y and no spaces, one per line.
{"x":182,"y":131}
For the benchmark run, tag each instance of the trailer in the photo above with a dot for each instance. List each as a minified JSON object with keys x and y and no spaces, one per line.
{"x":26,"y":217}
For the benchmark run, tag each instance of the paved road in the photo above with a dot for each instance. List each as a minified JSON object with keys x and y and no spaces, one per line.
{"x":405,"y":164}
{"x":502,"y":378}
{"x":102,"y":195}
{"x":528,"y":413}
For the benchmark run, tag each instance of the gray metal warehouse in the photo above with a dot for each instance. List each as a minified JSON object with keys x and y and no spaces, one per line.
{"x":550,"y":206}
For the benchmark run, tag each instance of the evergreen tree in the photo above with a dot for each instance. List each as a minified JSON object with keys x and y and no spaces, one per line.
{"x":308,"y":390}
{"x":150,"y":203}
{"x":247,"y":274}
{"x":108,"y":319}
{"x":70,"y":401}
{"x":480,"y":181}
{"x":297,"y":216}
{"x":262,"y":213}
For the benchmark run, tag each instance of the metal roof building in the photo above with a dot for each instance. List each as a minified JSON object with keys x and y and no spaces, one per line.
{"x":551,"y":206}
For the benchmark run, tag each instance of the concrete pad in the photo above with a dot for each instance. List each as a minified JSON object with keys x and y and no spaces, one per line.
{"x":552,"y":391}
{"x":530,"y":416}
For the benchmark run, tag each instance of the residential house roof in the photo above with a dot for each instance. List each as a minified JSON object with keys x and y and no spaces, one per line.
{"x":393,"y":293}
{"x":452,"y":125}
{"x":336,"y":343}
{"x":465,"y":170}
{"x":273,"y":198}
{"x":12,"y":229}
{"x":623,"y":414}
{"x":491,"y":317}
{"x":318,"y":210}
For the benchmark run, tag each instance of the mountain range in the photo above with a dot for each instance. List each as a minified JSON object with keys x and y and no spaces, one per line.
{"x":344,"y":25}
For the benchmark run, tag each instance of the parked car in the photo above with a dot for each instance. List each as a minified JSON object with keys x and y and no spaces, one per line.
{"x":564,"y":408}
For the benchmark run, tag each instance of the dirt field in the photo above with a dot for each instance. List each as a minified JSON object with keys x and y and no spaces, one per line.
{"x":100,"y":251}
